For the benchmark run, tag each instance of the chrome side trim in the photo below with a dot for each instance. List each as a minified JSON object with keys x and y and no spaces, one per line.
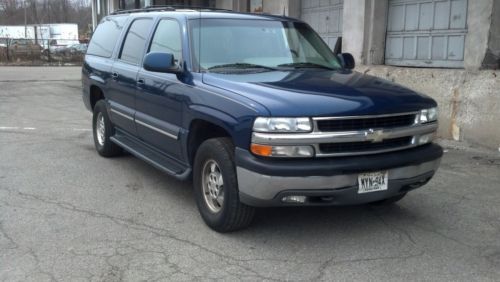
{"x":157,"y":129}
{"x":365,"y":117}
{"x":338,"y":137}
{"x":266,"y":187}
{"x":122,"y":114}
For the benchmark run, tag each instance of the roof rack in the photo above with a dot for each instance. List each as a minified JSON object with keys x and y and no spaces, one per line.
{"x":164,"y":8}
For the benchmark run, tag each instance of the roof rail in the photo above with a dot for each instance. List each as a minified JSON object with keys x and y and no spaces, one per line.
{"x":160,"y":8}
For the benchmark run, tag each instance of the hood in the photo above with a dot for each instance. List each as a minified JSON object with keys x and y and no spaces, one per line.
{"x":321,"y":93}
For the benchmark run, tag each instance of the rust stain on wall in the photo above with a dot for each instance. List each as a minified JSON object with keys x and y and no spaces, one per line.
{"x":455,"y":102}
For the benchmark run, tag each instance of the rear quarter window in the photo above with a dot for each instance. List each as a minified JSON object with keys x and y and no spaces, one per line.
{"x":105,"y":36}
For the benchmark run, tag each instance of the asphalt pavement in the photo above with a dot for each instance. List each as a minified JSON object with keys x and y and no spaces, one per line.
{"x":67,"y":214}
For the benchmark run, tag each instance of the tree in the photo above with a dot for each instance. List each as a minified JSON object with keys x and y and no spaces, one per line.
{"x":46,"y":11}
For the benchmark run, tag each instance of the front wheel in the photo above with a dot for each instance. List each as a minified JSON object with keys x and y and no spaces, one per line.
{"x":216,"y":187}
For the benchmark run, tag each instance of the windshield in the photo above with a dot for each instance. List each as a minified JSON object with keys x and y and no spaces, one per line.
{"x":257,"y":44}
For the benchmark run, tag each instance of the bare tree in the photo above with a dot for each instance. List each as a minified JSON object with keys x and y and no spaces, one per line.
{"x":46,"y":11}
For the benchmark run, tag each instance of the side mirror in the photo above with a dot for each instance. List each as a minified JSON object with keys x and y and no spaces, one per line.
{"x":347,"y":60}
{"x":160,"y":62}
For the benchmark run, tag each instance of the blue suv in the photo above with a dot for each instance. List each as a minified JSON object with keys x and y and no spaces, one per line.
{"x":256,"y":110}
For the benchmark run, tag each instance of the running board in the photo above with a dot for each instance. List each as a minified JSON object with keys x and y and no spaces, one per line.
{"x":151,"y":156}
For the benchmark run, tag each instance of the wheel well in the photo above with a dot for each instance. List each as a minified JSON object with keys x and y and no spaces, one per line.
{"x":95,"y":95}
{"x":200,"y":131}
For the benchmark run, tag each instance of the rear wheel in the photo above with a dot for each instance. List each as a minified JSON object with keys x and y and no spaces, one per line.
{"x":103,"y":129}
{"x":216,"y":187}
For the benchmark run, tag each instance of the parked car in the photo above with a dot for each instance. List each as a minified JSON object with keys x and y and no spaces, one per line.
{"x":76,"y":49}
{"x":22,"y":47}
{"x":59,"y":46}
{"x":3,"y":42}
{"x":70,"y":50}
{"x":256,"y":110}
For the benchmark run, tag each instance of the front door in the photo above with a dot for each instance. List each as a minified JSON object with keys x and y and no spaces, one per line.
{"x":159,"y":96}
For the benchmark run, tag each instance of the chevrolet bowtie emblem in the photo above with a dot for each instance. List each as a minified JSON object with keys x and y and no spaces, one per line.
{"x":375,"y":135}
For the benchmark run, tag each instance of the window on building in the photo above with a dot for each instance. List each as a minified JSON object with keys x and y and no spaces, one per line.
{"x":426,"y":33}
{"x":105,"y":37}
{"x":167,"y":39}
{"x":135,"y":41}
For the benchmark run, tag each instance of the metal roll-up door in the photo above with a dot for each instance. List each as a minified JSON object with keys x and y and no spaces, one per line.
{"x":426,"y":33}
{"x":325,"y":17}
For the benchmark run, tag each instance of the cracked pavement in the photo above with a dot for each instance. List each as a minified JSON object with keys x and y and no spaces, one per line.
{"x":67,"y":214}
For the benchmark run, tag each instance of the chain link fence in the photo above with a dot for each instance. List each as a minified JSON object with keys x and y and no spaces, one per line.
{"x":23,"y":51}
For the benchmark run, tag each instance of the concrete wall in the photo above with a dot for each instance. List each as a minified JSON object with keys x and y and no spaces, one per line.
{"x":353,"y":34}
{"x":492,"y":58}
{"x":289,"y":8}
{"x":469,"y":102}
{"x":364,"y":30}
{"x":478,"y":29}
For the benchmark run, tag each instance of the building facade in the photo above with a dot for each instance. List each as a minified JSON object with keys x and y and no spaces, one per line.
{"x":448,"y":49}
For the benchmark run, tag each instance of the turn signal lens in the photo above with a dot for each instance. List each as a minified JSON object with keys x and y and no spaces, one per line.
{"x":261,"y":150}
{"x":282,"y":151}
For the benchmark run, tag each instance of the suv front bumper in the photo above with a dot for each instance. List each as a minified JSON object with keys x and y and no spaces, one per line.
{"x":332,"y":181}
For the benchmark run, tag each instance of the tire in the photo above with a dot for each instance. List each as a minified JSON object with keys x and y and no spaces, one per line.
{"x":103,"y":145}
{"x":216,"y":187}
{"x":389,"y":201}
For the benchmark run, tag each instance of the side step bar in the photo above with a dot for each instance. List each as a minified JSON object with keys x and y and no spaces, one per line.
{"x":156,"y":159}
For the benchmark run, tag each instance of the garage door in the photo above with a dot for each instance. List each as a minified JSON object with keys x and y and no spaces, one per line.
{"x":325,"y":16}
{"x":426,"y":33}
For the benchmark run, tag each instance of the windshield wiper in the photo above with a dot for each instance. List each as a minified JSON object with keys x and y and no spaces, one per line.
{"x":305,"y":65}
{"x":241,"y":66}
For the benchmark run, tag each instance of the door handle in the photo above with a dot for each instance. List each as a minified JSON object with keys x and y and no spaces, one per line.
{"x":114,"y":75}
{"x":140,"y":81}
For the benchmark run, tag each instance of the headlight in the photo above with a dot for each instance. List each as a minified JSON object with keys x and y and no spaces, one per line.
{"x":428,"y":115}
{"x":265,"y":124}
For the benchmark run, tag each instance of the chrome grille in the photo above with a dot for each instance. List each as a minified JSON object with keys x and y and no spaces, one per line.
{"x":356,"y":147}
{"x":330,"y":125}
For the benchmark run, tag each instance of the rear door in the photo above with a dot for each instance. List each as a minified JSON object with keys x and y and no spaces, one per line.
{"x":123,"y":85}
{"x":160,"y":96}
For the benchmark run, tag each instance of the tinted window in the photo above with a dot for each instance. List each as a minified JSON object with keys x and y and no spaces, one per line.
{"x":104,"y":38}
{"x":135,"y":41}
{"x":167,"y":39}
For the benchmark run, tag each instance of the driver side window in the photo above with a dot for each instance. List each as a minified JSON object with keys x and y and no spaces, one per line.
{"x":167,"y":39}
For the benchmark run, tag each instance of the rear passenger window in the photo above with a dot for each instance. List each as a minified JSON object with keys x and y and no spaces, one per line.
{"x":135,"y":41}
{"x":105,"y":36}
{"x":167,"y":39}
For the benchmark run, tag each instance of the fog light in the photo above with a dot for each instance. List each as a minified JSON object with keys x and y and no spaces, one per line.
{"x":294,"y":199}
{"x":426,"y":138}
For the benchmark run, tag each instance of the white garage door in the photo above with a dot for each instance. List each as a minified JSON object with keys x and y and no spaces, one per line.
{"x":325,"y":16}
{"x":426,"y":33}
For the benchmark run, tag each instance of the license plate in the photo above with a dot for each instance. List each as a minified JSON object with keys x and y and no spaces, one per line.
{"x":372,"y":181}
